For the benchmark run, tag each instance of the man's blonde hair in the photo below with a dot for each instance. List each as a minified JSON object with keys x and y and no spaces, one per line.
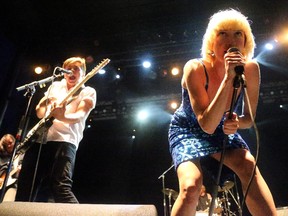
{"x":227,"y":20}
{"x":76,"y":59}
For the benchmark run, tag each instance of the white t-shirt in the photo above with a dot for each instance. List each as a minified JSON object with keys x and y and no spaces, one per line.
{"x":72,"y":133}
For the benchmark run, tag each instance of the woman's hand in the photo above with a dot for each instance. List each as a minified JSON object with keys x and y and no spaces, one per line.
{"x":233,"y":59}
{"x":230,"y":126}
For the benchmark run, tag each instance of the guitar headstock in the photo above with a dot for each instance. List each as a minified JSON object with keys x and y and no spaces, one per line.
{"x":97,"y":68}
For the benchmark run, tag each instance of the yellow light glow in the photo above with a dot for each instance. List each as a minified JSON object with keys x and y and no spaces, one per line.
{"x":174,"y":105}
{"x":175,"y":71}
{"x":38,"y":70}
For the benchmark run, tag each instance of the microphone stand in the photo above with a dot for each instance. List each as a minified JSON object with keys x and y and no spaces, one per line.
{"x":30,"y":90}
{"x":39,"y":82}
{"x":163,"y":188}
{"x":236,"y":84}
{"x":238,"y":197}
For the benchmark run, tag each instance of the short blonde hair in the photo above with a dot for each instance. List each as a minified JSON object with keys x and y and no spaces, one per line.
{"x":225,"y":20}
{"x":76,"y":59}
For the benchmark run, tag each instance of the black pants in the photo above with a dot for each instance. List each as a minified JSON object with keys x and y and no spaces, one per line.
{"x":53,"y":173}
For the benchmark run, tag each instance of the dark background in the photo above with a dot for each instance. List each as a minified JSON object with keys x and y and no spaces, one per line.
{"x":112,"y":167}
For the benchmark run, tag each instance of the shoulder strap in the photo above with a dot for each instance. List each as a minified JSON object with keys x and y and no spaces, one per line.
{"x":206,"y":74}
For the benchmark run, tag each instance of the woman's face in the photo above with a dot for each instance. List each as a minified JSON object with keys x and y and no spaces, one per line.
{"x":226,"y":39}
{"x":74,"y":78}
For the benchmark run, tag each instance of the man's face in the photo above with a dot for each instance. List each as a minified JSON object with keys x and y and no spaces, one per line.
{"x":8,"y":143}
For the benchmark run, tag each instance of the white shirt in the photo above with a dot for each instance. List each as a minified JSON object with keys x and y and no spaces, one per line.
{"x":60,"y":131}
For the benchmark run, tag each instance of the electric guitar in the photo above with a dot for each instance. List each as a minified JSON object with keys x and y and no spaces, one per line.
{"x":46,"y":122}
{"x":10,"y":180}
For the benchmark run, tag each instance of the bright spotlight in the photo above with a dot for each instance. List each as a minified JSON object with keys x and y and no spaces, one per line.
{"x":146,"y":64}
{"x":142,"y":115}
{"x":38,"y":70}
{"x":175,"y":71}
{"x":102,"y":71}
{"x":117,"y":76}
{"x":269,"y":46}
{"x":174,"y":105}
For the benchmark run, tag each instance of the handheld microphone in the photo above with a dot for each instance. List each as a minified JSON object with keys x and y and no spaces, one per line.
{"x":62,"y":70}
{"x":239,"y":70}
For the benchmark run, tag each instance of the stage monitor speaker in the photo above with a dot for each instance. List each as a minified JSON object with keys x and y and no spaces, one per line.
{"x":65,"y":209}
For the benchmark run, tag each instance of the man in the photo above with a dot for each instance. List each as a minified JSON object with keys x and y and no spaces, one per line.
{"x":7,"y":143}
{"x":57,"y":157}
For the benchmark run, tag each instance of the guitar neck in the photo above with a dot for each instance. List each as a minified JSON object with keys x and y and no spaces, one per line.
{"x":76,"y":88}
{"x":84,"y":80}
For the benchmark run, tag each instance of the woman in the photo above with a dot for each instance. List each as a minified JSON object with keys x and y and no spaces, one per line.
{"x":201,"y":123}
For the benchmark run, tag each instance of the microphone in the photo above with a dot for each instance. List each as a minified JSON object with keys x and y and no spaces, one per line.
{"x":239,"y":70}
{"x":62,"y":70}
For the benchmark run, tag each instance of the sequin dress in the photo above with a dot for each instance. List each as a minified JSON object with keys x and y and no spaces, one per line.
{"x":188,"y":141}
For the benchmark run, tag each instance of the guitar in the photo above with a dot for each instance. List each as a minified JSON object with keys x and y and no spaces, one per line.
{"x":10,"y":180}
{"x":46,"y":122}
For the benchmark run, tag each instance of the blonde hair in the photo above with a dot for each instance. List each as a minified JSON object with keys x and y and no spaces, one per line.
{"x":76,"y":59}
{"x":225,"y":20}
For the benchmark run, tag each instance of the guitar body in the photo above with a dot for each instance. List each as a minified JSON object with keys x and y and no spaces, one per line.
{"x":10,"y":179}
{"x":37,"y":134}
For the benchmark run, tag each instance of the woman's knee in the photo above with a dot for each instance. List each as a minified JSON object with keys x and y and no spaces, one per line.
{"x":190,"y":181}
{"x":190,"y":191}
{"x":244,"y":166}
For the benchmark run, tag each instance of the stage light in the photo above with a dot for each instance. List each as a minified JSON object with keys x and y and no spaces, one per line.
{"x":38,"y":70}
{"x":142,"y":115}
{"x":175,"y":71}
{"x":174,"y":105}
{"x":117,"y":76}
{"x":282,"y":36}
{"x":146,"y":64}
{"x":269,"y":46}
{"x":41,"y":68}
{"x":102,"y":71}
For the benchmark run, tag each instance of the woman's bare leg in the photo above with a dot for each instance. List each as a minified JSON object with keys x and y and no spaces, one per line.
{"x":259,"y":199}
{"x":190,"y":182}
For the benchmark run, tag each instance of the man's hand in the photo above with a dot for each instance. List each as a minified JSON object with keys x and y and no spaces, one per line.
{"x":58,"y":111}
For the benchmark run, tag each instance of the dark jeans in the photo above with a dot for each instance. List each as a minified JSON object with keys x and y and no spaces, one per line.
{"x":53,"y":173}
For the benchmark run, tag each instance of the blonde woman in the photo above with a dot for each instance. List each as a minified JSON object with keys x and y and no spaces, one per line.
{"x":200,"y":124}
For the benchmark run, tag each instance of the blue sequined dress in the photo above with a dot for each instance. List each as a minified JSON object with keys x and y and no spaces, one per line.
{"x":188,"y":141}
